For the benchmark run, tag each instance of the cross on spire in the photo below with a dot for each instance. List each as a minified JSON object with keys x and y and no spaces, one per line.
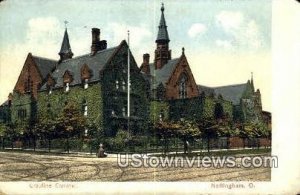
{"x":66,"y":22}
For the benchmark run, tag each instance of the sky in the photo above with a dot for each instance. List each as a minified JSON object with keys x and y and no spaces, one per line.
{"x":224,"y":40}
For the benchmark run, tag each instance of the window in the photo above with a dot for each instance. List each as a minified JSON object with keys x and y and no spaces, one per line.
{"x":183,"y":87}
{"x":161,"y":115}
{"x":67,"y":87}
{"x":124,"y":111}
{"x":123,"y":85}
{"x":86,"y":84}
{"x":117,"y":84}
{"x":50,"y":90}
{"x":85,"y":113}
{"x":113,"y":113}
{"x":22,"y":113}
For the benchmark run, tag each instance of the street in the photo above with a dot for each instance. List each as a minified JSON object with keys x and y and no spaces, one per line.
{"x":16,"y":166}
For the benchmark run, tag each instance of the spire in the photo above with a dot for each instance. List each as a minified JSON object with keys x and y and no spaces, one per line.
{"x":162,"y":28}
{"x":162,"y":53}
{"x":65,"y":51}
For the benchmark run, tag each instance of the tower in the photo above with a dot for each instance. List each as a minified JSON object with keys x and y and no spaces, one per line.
{"x":162,"y":52}
{"x":65,"y":50}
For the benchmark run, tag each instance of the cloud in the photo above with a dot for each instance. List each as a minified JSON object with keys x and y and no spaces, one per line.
{"x":42,"y":37}
{"x":138,"y":34}
{"x":140,"y":38}
{"x":229,"y":20}
{"x":241,"y":32}
{"x":196,"y":29}
{"x":224,"y":44}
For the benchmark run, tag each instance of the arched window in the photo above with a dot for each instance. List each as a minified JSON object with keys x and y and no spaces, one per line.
{"x":183,"y":86}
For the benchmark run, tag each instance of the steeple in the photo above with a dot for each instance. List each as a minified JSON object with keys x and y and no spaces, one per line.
{"x":162,"y":52}
{"x":162,"y":35}
{"x":65,"y":51}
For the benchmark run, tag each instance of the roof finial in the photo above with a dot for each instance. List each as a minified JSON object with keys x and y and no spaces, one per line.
{"x":162,"y":7}
{"x":66,"y":22}
{"x":182,"y":50}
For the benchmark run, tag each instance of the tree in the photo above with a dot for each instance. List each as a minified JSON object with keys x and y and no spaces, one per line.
{"x":184,"y":130}
{"x":209,"y":129}
{"x":187,"y":130}
{"x":71,"y":123}
{"x":3,"y":128}
{"x":165,"y":130}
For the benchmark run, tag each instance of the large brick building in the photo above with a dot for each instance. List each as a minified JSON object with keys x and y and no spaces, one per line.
{"x":96,"y":83}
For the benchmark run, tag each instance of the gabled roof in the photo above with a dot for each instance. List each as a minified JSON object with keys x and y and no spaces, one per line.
{"x":162,"y":75}
{"x":44,"y":65}
{"x":162,"y":28}
{"x":95,"y":63}
{"x":231,"y":93}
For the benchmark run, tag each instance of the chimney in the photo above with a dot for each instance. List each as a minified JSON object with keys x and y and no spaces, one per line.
{"x":97,"y":45}
{"x":145,"y":65}
{"x":146,"y":58}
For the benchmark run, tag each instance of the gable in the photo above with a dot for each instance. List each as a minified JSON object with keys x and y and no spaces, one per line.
{"x":182,"y":68}
{"x":120,"y":58}
{"x":30,"y":77}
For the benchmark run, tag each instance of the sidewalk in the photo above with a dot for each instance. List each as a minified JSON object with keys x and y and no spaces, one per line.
{"x":55,"y":152}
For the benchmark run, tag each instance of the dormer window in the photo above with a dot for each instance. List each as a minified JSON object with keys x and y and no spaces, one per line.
{"x":67,"y":88}
{"x":50,"y":91}
{"x":117,"y":84}
{"x":86,"y":84}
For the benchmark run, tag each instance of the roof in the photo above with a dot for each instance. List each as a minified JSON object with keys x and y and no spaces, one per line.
{"x":95,"y":63}
{"x":65,"y":46}
{"x":4,"y":103}
{"x":44,"y":65}
{"x":162,"y":75}
{"x":162,"y":28}
{"x":231,"y":93}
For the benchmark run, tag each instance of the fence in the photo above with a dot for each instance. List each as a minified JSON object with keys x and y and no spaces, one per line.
{"x":149,"y":145}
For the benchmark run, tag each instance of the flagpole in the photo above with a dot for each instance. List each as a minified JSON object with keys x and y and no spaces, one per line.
{"x":128,"y":85}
